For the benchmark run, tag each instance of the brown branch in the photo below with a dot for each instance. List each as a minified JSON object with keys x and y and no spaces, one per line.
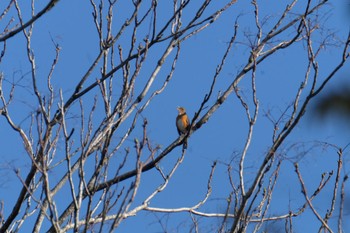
{"x":342,"y":201}
{"x":304,"y":192}
{"x":285,"y":132}
{"x":335,"y":189}
{"x":30,"y":22}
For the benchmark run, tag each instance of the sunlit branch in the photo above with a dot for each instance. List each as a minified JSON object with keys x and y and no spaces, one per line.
{"x":324,"y":224}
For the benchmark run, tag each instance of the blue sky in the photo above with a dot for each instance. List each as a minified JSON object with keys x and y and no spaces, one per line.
{"x":70,"y":25}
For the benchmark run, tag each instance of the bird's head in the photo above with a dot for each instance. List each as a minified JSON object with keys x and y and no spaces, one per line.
{"x":181,"y":110}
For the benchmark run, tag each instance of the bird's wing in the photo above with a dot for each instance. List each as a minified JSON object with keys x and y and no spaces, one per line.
{"x":187,"y":122}
{"x":177,"y":124}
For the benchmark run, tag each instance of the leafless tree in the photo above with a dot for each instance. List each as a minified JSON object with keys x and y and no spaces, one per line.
{"x":89,"y":149}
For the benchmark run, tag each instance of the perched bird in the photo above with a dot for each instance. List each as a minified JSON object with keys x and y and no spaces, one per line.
{"x":182,"y":123}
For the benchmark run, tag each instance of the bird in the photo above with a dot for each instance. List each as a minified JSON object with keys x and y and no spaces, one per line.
{"x":182,"y":123}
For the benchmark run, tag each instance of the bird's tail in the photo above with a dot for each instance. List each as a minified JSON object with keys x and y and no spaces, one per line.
{"x":185,"y":144}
